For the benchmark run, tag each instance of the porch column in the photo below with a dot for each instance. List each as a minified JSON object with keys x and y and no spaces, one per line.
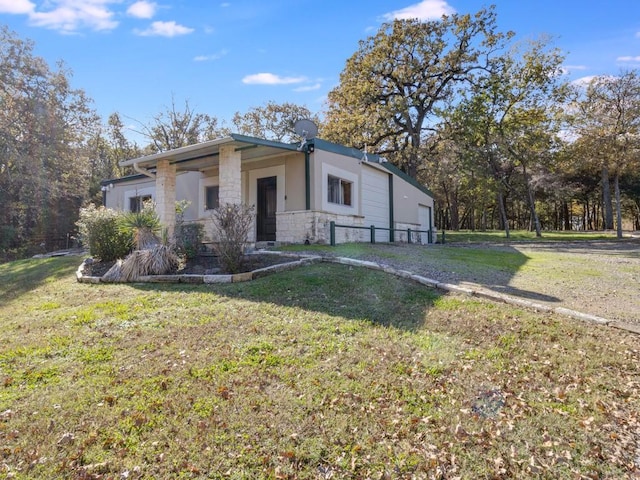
{"x":166,"y":195}
{"x":230,"y":190}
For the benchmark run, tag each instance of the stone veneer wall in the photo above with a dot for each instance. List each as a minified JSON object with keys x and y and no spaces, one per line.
{"x":401,"y":233}
{"x":298,"y":226}
{"x":166,"y":194}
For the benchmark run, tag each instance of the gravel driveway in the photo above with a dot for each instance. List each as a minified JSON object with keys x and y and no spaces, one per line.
{"x":597,"y":278}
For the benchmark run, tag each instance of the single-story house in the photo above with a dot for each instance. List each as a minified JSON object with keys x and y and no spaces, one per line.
{"x":297,"y":190}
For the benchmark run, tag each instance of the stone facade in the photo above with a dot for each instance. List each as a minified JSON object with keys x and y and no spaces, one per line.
{"x":401,"y":233}
{"x":303,"y":225}
{"x":166,"y":195}
{"x":230,"y":175}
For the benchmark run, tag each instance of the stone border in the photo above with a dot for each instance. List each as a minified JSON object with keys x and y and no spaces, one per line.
{"x":210,"y":279}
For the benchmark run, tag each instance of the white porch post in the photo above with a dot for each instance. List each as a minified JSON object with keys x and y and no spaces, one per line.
{"x":230,"y":177}
{"x":166,"y":195}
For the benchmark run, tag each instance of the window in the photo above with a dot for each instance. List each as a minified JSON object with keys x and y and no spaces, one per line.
{"x":339,"y":191}
{"x":212,"y":197}
{"x":137,"y":203}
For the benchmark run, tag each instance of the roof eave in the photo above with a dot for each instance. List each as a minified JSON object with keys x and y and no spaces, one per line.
{"x":177,"y":151}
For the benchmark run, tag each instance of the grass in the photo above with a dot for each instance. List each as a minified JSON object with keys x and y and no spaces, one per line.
{"x":498,"y":236}
{"x":325,"y":371}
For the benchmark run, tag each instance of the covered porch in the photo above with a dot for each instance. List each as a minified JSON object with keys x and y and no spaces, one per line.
{"x":241,"y":169}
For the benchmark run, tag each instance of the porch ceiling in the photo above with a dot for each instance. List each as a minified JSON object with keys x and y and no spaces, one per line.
{"x":205,"y":155}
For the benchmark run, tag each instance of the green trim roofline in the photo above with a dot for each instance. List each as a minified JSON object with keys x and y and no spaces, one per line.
{"x":255,"y":141}
{"x":371,"y":157}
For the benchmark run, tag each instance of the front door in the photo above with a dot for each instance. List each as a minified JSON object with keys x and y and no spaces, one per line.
{"x":266,"y":209}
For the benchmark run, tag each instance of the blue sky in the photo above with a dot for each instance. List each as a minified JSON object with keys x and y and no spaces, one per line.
{"x":133,"y":56}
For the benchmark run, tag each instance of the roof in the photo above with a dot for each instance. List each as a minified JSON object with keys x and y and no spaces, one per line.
{"x":199,"y":155}
{"x":251,"y":147}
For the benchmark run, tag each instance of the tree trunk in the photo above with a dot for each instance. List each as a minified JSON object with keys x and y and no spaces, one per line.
{"x":566,"y":211}
{"x":503,"y":213}
{"x":606,"y":199}
{"x":532,"y":202}
{"x":616,"y":183}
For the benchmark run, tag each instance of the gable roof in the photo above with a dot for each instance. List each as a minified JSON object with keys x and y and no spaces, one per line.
{"x":253,"y":147}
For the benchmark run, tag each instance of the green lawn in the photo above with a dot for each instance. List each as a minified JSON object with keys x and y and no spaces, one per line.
{"x":326,"y":371}
{"x":498,"y":236}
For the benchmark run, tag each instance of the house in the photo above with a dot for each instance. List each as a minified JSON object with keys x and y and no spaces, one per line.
{"x":297,"y":190}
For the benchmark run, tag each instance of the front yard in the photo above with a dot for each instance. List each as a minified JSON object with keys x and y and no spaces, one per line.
{"x":327,"y":371}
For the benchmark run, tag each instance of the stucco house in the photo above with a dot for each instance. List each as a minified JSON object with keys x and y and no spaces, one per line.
{"x":297,"y":190}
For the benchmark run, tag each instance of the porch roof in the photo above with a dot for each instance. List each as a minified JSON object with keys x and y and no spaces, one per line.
{"x":200,"y":155}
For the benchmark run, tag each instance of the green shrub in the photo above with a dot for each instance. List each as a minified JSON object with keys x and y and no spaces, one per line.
{"x":189,"y":237}
{"x":100,"y":230}
{"x":142,"y":226}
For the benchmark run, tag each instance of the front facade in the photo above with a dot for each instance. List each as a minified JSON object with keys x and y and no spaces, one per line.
{"x":296,"y":190}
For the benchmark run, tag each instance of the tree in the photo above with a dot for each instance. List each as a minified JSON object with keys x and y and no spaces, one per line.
{"x":608,"y":116}
{"x":506,"y":122}
{"x":273,"y":121}
{"x":391,"y":87}
{"x":175,"y":128}
{"x":45,"y":127}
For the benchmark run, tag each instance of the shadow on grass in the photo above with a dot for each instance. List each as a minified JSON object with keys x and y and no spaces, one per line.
{"x":526,"y":294}
{"x":373,"y":295}
{"x":22,"y":276}
{"x":492,"y":268}
{"x":331,"y":289}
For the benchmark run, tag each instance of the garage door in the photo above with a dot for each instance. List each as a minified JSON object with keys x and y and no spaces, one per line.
{"x":375,"y":201}
{"x":424,"y":214}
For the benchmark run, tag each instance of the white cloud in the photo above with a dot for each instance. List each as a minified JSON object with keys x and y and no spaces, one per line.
{"x":213,"y":56}
{"x":68,"y":16}
{"x":629,"y":59}
{"x":142,"y":9}
{"x":583,"y":81}
{"x":271,"y":79}
{"x":16,"y":6}
{"x":425,"y":10}
{"x":308,"y":88}
{"x":165,"y":29}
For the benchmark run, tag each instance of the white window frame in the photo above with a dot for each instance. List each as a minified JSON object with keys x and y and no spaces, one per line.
{"x":346,"y":176}
{"x":139,"y":192}
{"x":340,"y":191}
{"x":202,"y":194}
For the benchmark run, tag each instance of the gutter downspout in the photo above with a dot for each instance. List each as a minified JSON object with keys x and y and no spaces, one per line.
{"x":143,"y":171}
{"x":307,"y":179}
{"x":391,"y":208}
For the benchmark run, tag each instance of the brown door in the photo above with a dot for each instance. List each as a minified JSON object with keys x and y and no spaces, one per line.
{"x":266,"y":209}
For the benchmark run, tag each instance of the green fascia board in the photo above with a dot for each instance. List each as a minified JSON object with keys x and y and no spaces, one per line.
{"x":396,"y":171}
{"x":343,"y":150}
{"x":262,"y":142}
{"x":126,"y":178}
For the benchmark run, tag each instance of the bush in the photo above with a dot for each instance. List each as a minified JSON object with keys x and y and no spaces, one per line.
{"x":232,"y":223}
{"x":157,"y":260}
{"x":100,"y":230}
{"x":142,"y":226}
{"x":189,"y":237}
